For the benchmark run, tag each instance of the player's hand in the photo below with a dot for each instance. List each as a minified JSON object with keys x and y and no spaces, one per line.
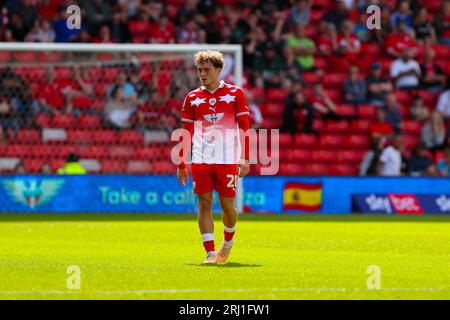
{"x":183,"y":176}
{"x":244,"y":168}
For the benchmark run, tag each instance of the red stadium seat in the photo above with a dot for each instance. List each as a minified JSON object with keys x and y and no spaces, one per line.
{"x":33,"y":165}
{"x":306,"y":140}
{"x":323,"y":156}
{"x":357,"y":142}
{"x":370,"y":49}
{"x":130,"y":137}
{"x":335,"y":80}
{"x":104,"y":136}
{"x":331,"y":141}
{"x":138,"y":167}
{"x":257,"y":93}
{"x":112,"y":166}
{"x":64,"y":150}
{"x":62,"y":73}
{"x":403,"y":97}
{"x":367,"y":112}
{"x":411,"y":141}
{"x":335,"y":95}
{"x":18,"y":150}
{"x":94,"y":152}
{"x":344,"y":170}
{"x":28,"y":136}
{"x":273,"y":109}
{"x":346,"y":110}
{"x":63,"y":121}
{"x":311,"y":78}
{"x":360,"y":126}
{"x":286,"y":140}
{"x":5,"y":56}
{"x":163,"y":167}
{"x":318,"y":125}
{"x":271,"y":123}
{"x":412,"y":127}
{"x":316,"y":169}
{"x":79,"y":136}
{"x":299,"y":155}
{"x":88,"y":121}
{"x":442,"y":51}
{"x":350,"y":156}
{"x":148,"y":152}
{"x":121,"y":152}
{"x":43,"y":120}
{"x":276,"y":95}
{"x":336,"y":126}
{"x":44,"y":151}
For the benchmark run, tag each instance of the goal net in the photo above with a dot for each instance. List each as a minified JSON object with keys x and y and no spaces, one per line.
{"x":114,"y":106}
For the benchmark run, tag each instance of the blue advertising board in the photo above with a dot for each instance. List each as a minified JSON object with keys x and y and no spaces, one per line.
{"x":162,"y":193}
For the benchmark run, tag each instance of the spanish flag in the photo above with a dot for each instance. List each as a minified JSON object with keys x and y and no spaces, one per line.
{"x":302,"y":196}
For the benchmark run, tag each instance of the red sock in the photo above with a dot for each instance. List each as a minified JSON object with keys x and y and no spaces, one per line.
{"x":208,"y":242}
{"x":228,"y":233}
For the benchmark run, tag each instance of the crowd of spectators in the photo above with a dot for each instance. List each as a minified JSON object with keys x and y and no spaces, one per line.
{"x":283,"y":42}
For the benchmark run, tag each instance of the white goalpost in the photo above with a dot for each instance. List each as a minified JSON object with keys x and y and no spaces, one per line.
{"x":59,"y":54}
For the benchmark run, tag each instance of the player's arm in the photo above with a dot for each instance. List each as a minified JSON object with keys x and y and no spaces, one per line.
{"x":187,"y":119}
{"x":242,"y":113}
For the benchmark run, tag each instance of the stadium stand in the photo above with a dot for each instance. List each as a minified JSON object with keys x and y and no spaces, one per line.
{"x":48,"y":112}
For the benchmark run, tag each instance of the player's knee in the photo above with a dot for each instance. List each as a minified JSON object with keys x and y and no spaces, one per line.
{"x":205,"y":205}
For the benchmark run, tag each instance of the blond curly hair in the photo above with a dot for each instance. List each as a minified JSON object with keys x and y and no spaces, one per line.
{"x":215,"y":57}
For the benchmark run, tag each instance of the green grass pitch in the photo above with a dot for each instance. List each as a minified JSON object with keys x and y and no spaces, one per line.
{"x":275,"y":257}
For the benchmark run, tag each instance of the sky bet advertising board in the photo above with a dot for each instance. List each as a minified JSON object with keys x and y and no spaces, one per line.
{"x":272,"y":194}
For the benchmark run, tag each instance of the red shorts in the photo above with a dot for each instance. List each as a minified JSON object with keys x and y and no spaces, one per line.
{"x":222,"y":177}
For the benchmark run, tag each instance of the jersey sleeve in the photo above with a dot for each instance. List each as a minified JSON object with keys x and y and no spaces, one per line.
{"x":187,"y":112}
{"x":241,"y":106}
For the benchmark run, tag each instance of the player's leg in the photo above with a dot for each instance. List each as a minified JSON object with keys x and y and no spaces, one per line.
{"x":225,"y":184}
{"x":203,"y":184}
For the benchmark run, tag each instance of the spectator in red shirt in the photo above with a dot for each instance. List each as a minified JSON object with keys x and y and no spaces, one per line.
{"x":163,"y":31}
{"x":398,"y":41}
{"x":380,"y":128}
{"x":322,"y":104}
{"x":348,"y":43}
{"x":328,"y":41}
{"x":104,"y":35}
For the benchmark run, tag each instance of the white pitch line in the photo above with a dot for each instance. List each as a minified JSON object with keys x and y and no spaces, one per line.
{"x":141,"y":292}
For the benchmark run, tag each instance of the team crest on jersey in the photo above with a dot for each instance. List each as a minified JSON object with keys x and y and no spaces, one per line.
{"x":213,"y":118}
{"x":212,"y":101}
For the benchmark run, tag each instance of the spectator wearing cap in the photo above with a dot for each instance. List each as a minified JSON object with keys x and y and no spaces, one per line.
{"x":377,"y":86}
{"x":405,"y":71}
{"x":354,"y":88}
{"x":304,"y":48}
{"x":72,"y":166}
{"x":433,"y":78}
